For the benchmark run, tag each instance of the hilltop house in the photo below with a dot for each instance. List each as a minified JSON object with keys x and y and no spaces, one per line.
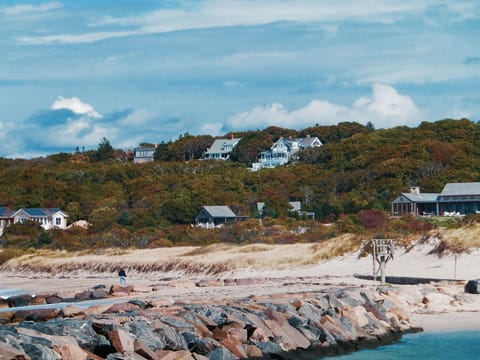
{"x":216,"y":216}
{"x":143,"y":155}
{"x":283,"y":151}
{"x":455,"y":199}
{"x":221,"y":149}
{"x":48,"y":218}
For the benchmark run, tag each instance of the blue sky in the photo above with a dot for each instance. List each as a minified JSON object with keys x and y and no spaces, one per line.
{"x":72,"y":72}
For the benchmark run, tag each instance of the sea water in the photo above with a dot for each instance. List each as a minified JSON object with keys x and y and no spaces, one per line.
{"x":428,"y":345}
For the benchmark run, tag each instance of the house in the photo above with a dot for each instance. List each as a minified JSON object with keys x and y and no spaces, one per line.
{"x":216,"y":216}
{"x":48,"y":218}
{"x":221,"y":149}
{"x":283,"y":151}
{"x":5,"y":218}
{"x":143,"y":155}
{"x":455,"y":199}
{"x":296,"y":207}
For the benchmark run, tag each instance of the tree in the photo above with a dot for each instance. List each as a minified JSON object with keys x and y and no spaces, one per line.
{"x":104,"y":151}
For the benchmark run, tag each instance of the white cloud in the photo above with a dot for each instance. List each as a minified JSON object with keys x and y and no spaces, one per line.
{"x":385,"y":107}
{"x":213,"y":129}
{"x":23,"y":9}
{"x":224,"y":13}
{"x":75,"y":105}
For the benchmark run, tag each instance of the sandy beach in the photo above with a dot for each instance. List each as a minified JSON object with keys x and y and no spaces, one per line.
{"x":272,"y":269}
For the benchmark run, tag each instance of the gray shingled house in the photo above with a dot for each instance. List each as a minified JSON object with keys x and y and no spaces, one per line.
{"x":216,"y":216}
{"x":455,"y":199}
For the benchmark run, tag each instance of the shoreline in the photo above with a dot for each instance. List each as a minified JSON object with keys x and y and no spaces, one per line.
{"x":447,"y":322}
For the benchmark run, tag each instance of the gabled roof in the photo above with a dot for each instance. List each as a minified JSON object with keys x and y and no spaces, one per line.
{"x":223,"y":146}
{"x":220,"y":211}
{"x":459,"y":189}
{"x":40,"y":212}
{"x":422,"y":197}
{"x":5,"y":212}
{"x":308,"y":141}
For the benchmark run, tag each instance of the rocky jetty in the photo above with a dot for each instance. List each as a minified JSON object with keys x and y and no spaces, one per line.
{"x":304,"y":325}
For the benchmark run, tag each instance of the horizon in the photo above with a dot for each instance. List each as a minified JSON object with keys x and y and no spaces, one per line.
{"x":74,"y":73}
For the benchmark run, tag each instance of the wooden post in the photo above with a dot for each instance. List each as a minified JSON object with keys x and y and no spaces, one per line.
{"x":382,"y":251}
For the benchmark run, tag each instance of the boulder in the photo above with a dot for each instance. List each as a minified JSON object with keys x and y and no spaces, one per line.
{"x":473,"y":286}
{"x":35,"y":315}
{"x":7,"y":352}
{"x":121,"y":340}
{"x":174,"y":355}
{"x":142,"y":349}
{"x":99,"y":294}
{"x":53,"y":299}
{"x":121,"y":289}
{"x":20,"y":300}
{"x":84,"y":295}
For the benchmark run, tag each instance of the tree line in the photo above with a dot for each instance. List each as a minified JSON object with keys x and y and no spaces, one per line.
{"x":357,"y":169}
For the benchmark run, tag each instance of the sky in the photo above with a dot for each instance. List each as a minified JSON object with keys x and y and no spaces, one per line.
{"x":134,"y":71}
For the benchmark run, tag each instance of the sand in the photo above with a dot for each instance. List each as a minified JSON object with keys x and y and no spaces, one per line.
{"x":285,"y":275}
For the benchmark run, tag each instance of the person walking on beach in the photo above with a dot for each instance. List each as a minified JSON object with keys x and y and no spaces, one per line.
{"x":123,"y":277}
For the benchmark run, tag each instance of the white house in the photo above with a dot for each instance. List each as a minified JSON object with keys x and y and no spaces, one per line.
{"x":48,"y":218}
{"x":143,"y":155}
{"x":283,"y":151}
{"x":221,"y":149}
{"x":5,"y":218}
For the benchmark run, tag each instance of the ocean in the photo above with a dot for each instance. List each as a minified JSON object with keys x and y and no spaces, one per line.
{"x":429,"y":345}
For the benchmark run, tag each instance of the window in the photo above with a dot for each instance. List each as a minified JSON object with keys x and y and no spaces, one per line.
{"x":58,"y":221}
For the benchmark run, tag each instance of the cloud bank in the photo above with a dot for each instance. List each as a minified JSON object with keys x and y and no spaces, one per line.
{"x":71,"y":122}
{"x":384,"y":108}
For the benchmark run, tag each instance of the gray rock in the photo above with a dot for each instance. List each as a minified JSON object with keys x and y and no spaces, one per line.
{"x":221,"y":354}
{"x":473,"y":286}
{"x":170,"y":338}
{"x":143,"y":331}
{"x":269,"y":347}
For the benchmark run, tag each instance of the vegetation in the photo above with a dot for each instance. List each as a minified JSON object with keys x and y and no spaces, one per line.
{"x":350,"y":181}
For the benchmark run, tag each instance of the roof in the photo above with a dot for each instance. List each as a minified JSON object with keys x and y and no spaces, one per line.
{"x":459,"y":189}
{"x":422,"y":197}
{"x":220,"y":211}
{"x":307,"y":142}
{"x":40,"y":212}
{"x":224,"y":146}
{"x":5,"y":212}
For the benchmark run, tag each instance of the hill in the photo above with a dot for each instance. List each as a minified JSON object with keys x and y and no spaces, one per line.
{"x":350,"y":180}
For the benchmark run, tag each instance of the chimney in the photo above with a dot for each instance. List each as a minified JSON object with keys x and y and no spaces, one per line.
{"x":415,"y":190}
{"x":231,"y":136}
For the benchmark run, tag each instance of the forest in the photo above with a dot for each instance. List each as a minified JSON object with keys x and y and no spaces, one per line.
{"x":350,"y":181}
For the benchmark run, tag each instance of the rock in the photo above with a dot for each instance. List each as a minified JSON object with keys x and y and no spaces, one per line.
{"x":8,"y":352}
{"x":99,"y":294}
{"x":142,"y":349}
{"x":221,"y":354}
{"x":53,"y":299}
{"x":292,"y":339}
{"x":473,"y":286}
{"x":123,"y":307}
{"x":6,"y":316}
{"x":173,"y":340}
{"x":174,"y":355}
{"x":72,"y":310}
{"x":35,"y":315}
{"x":84,"y":295}
{"x":121,"y":289}
{"x":121,"y":340}
{"x":358,"y":315}
{"x":20,"y":300}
